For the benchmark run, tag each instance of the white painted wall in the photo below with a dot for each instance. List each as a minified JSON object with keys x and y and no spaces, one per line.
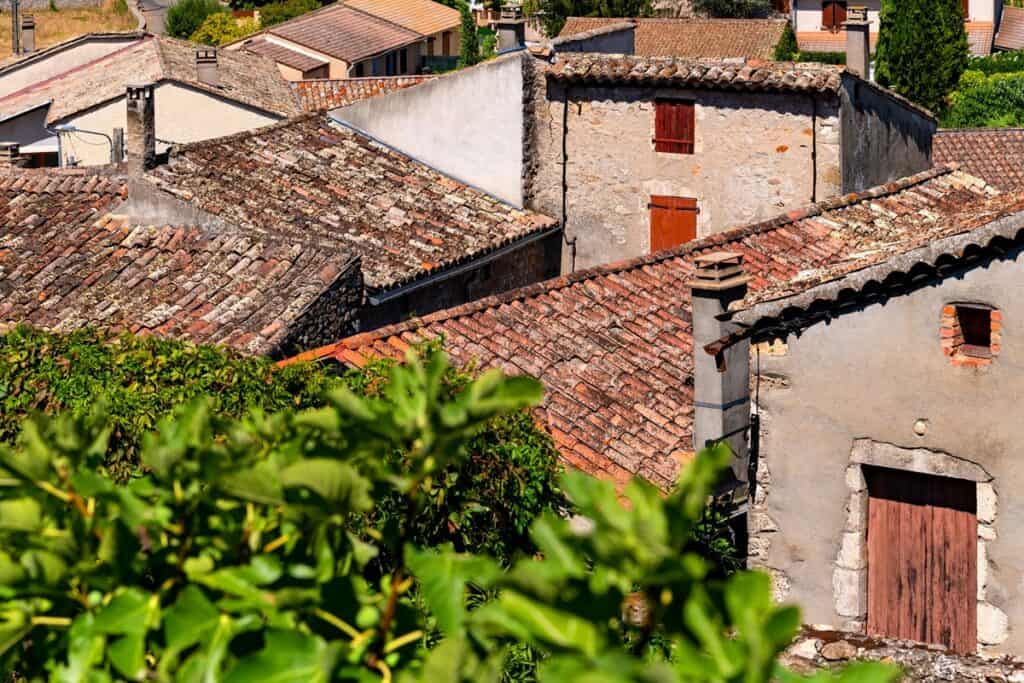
{"x":58,"y":63}
{"x":808,"y":13}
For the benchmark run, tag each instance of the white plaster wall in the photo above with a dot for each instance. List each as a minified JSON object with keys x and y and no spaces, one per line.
{"x":808,"y":14}
{"x":58,"y":63}
{"x":182,"y":115}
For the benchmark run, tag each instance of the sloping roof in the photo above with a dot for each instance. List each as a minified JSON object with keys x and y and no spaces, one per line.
{"x":1011,"y":29}
{"x":313,"y":178}
{"x":345,"y":33}
{"x":67,"y":262}
{"x":979,"y":37}
{"x":12,"y":62}
{"x":284,"y":55}
{"x":613,"y":344}
{"x":691,"y":37}
{"x":246,"y":78}
{"x":828,"y":41}
{"x":730,"y":74}
{"x":422,"y":16}
{"x":323,"y":94}
{"x":993,"y":154}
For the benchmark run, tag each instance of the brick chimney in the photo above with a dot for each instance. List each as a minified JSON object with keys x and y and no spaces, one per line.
{"x":10,"y":157}
{"x":140,"y":131}
{"x":28,"y":34}
{"x":721,"y":382}
{"x":206,"y":66}
{"x":858,"y":41}
{"x":511,"y":27}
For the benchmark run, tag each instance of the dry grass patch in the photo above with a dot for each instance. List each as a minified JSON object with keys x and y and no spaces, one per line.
{"x":57,"y":26}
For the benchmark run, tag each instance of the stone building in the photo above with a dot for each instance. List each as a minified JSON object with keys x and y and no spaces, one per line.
{"x":636,"y":154}
{"x":850,"y":335}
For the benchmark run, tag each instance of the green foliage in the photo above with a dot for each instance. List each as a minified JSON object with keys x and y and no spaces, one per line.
{"x":488,"y":43}
{"x":279,"y":12}
{"x":138,"y":380}
{"x":230,"y":558}
{"x":982,"y":101}
{"x":998,"y":62}
{"x":186,"y":16}
{"x":121,"y":7}
{"x":53,"y":6}
{"x":737,"y":9}
{"x":922,"y":49}
{"x":786,"y":49}
{"x":822,"y":57}
{"x":469,"y":47}
{"x":222,"y":28}
{"x":553,"y":13}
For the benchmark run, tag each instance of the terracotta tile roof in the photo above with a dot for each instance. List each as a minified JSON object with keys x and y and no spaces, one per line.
{"x":246,"y":78}
{"x":422,"y":16}
{"x":323,"y":94}
{"x":827,"y":41}
{"x":284,"y":55}
{"x":1011,"y":29}
{"x":693,"y":38}
{"x":731,"y":74}
{"x":993,"y":154}
{"x":66,"y":262}
{"x":979,"y":37}
{"x":345,"y":33}
{"x":613,"y":344}
{"x":313,"y":178}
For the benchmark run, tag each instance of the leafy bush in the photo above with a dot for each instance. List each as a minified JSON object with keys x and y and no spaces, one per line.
{"x":222,"y":28}
{"x":786,"y":49}
{"x":922,"y":49}
{"x":186,"y":16}
{"x":822,"y":57}
{"x":469,"y":47}
{"x":553,"y":13}
{"x":230,"y":558}
{"x":488,"y":42}
{"x":982,"y":101}
{"x":736,"y":9}
{"x":998,"y":62}
{"x":279,"y":12}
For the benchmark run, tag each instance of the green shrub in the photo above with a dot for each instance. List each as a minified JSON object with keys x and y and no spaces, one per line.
{"x":280,"y":12}
{"x":488,"y":42}
{"x":733,"y":9}
{"x":786,"y":49}
{"x":186,"y":16}
{"x":982,"y":101}
{"x":230,"y":558}
{"x":553,"y":13}
{"x":121,"y":7}
{"x":222,"y":28}
{"x":838,"y":58}
{"x":998,"y":62}
{"x":469,"y":48}
{"x":922,"y":49}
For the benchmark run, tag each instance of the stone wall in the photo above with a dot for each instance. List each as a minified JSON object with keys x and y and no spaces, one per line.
{"x":333,"y":316}
{"x":875,"y":386}
{"x":536,"y":261}
{"x":753,"y":159}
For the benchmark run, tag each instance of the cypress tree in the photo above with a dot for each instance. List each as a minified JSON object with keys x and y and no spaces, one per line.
{"x":469,"y":48}
{"x":786,"y":49}
{"x":922,"y":49}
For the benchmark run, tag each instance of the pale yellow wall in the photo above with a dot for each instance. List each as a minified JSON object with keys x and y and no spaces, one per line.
{"x":182,"y":115}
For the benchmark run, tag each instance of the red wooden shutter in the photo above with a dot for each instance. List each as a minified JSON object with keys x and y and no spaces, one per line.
{"x":922,"y":558}
{"x":965,"y":6}
{"x":833,"y":14}
{"x":674,"y":126}
{"x":673,"y":221}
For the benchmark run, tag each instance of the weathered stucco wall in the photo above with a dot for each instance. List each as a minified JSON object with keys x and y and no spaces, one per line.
{"x":752,"y":160}
{"x":620,"y":42}
{"x":468,"y":124}
{"x":873,"y":375}
{"x":882,"y":138}
{"x":41,"y":68}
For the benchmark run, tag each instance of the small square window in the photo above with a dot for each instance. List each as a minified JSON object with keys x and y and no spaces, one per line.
{"x":971,"y":334}
{"x":976,"y":328}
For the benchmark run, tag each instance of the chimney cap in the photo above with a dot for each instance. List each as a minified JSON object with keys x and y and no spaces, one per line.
{"x":206,"y":53}
{"x":856,"y":15}
{"x":28,"y":20}
{"x":719,"y":270}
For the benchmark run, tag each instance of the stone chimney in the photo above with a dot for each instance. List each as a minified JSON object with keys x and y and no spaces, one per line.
{"x":511,"y":26}
{"x":15,"y":27}
{"x":28,"y":34}
{"x":721,"y":382}
{"x":140,"y":132}
{"x":206,"y":66}
{"x":858,"y":42}
{"x":10,"y":157}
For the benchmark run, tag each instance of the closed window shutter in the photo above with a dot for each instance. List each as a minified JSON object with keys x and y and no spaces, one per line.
{"x":673,"y":221}
{"x":674,"y":126}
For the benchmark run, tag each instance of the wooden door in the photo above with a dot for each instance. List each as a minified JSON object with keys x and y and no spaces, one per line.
{"x":922,"y":558}
{"x":673,"y":221}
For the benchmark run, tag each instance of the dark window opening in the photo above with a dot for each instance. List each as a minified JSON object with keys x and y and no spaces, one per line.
{"x":359,"y":70}
{"x":674,"y":126}
{"x":430,"y":46}
{"x":403,"y":61}
{"x":976,"y":330}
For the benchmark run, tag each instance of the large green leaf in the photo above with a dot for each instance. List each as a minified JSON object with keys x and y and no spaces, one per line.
{"x":260,"y":484}
{"x":190,"y":620}
{"x":287,"y":657}
{"x":128,"y":655}
{"x":551,"y":626}
{"x":131,"y":611}
{"x":443,"y":575}
{"x":334,"y":481}
{"x":21,"y":514}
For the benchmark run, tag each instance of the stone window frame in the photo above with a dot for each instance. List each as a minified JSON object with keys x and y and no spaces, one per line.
{"x":952,"y":341}
{"x":850,"y":575}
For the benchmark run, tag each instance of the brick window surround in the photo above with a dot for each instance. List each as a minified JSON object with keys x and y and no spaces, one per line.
{"x":971,"y":334}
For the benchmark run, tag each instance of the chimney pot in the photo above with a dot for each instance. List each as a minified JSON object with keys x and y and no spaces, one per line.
{"x":28,"y":33}
{"x":140,"y":132}
{"x":206,"y":66}
{"x":722,"y":382}
{"x":858,"y":42}
{"x":10,"y":156}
